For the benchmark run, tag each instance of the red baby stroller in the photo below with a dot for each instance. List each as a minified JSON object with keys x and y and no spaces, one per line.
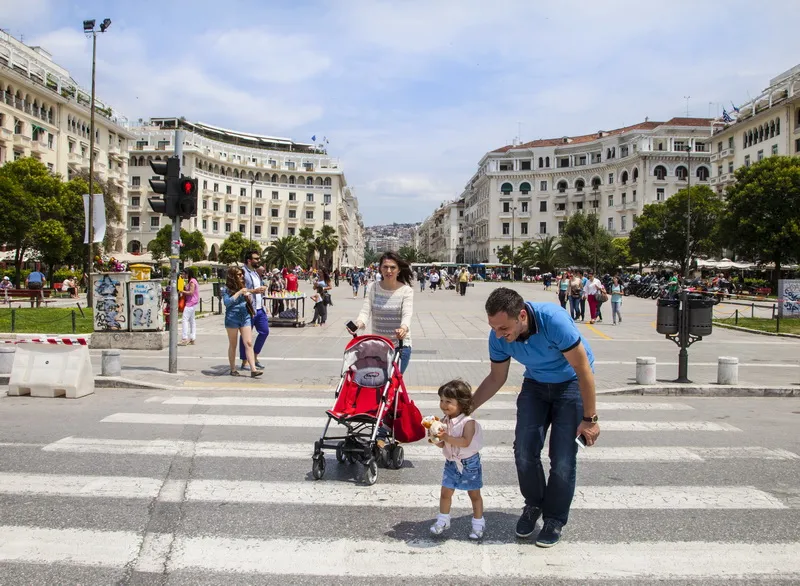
{"x":366,"y":404}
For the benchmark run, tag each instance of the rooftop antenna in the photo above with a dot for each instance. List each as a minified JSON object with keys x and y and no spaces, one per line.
{"x":687,"y":104}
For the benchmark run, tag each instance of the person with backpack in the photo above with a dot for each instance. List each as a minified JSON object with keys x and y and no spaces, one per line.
{"x":575,"y":294}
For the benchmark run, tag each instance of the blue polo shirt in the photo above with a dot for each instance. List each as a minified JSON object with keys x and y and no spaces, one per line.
{"x":551,"y":333}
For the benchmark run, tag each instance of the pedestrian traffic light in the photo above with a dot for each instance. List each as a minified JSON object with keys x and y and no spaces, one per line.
{"x":167,"y":187}
{"x":187,"y":197}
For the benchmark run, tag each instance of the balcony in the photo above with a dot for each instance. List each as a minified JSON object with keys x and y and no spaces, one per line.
{"x":725,"y":153}
{"x":22,"y":140}
{"x":113,"y":151}
{"x":38,"y":147}
{"x":559,"y":213}
{"x":292,"y":220}
{"x":523,"y":215}
{"x":5,"y":133}
{"x":309,"y":220}
{"x":293,"y":203}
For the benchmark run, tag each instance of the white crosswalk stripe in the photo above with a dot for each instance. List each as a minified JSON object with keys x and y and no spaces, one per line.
{"x":239,"y":457}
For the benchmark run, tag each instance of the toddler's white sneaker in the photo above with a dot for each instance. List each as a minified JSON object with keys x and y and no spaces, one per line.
{"x":442,"y":524}
{"x":478,"y":527}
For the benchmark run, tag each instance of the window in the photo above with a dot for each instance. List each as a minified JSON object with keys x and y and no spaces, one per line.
{"x":611,"y":201}
{"x":275,"y":195}
{"x":136,"y":181}
{"x":523,"y":228}
{"x":700,"y":147}
{"x":580,"y":184}
{"x":582,"y":160}
{"x":702,"y":173}
{"x":562,"y":186}
{"x":681,"y":173}
{"x":205,"y":184}
{"x":71,"y":147}
{"x":660,"y":172}
{"x":215,"y":206}
{"x":273,"y":230}
{"x":719,"y":170}
{"x":611,"y":224}
{"x":292,"y":196}
{"x":242,"y":191}
{"x":273,"y":212}
{"x":228,"y":208}
{"x":309,"y":197}
{"x":579,"y":206}
{"x":257,"y":230}
{"x":525,"y":188}
{"x":258,"y":194}
{"x":730,"y":142}
{"x":506,"y":207}
{"x":258,"y":212}
{"x":563,"y":162}
{"x":797,"y":144}
{"x":719,"y":146}
{"x":215,"y":226}
{"x":506,"y":188}
{"x":774,"y":149}
{"x":524,"y":205}
{"x":242,"y":210}
{"x":541,"y":160}
{"x":205,"y":225}
{"x":326,"y":216}
{"x":624,"y":198}
{"x":134,"y":221}
{"x":610,"y":178}
{"x":292,"y":214}
{"x":155,"y":222}
{"x":595,"y":204}
{"x":326,"y":198}
{"x":135,"y":201}
{"x":561,"y":226}
{"x":227,"y":227}
{"x":216,"y":188}
{"x":309,"y":214}
{"x":624,"y":177}
{"x":542,"y":206}
{"x":747,"y":160}
{"x":561,"y":207}
{"x":730,"y":167}
{"x":678,"y":145}
{"x":241,"y":228}
{"x":760,"y":155}
{"x":291,"y":231}
{"x":633,"y":195}
{"x":506,"y":228}
{"x":228,"y":190}
{"x":524,"y":165}
{"x":49,"y":140}
{"x":623,"y":223}
{"x":542,"y":227}
{"x":547,"y":162}
{"x":542,"y":185}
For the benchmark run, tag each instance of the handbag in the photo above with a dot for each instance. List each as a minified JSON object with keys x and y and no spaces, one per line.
{"x":407,"y":426}
{"x":601,"y":296}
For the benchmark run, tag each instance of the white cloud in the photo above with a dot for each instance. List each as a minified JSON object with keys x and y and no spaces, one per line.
{"x":19,"y":14}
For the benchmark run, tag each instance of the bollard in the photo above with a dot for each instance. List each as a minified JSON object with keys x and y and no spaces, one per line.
{"x":201,"y":305}
{"x":728,"y":370}
{"x":111,"y":363}
{"x":6,"y":359}
{"x":645,"y":370}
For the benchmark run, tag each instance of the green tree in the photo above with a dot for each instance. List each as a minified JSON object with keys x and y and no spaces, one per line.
{"x":370,"y":256}
{"x":193,"y":244}
{"x":326,"y":242}
{"x":584,"y":243}
{"x":622,"y":252}
{"x":289,"y":251}
{"x":762,"y":218}
{"x":52,"y":241}
{"x":234,"y":247}
{"x":543,"y":254}
{"x":504,"y":254}
{"x":410,"y":254}
{"x":660,"y":232}
{"x":306,"y":234}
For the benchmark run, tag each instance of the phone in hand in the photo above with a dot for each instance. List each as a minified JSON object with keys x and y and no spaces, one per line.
{"x":581,"y":441}
{"x":351,"y":327}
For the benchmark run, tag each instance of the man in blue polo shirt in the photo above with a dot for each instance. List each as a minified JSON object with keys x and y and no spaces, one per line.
{"x":557,"y":392}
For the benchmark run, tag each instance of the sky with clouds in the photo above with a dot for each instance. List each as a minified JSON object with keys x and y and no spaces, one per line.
{"x":412,"y":93}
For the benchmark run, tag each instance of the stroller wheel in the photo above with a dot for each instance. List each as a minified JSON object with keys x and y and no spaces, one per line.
{"x":340,"y":452}
{"x":370,"y":472}
{"x":318,"y":467}
{"x":397,"y":457}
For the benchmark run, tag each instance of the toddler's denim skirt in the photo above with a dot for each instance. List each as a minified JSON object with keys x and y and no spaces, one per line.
{"x":470,"y":478}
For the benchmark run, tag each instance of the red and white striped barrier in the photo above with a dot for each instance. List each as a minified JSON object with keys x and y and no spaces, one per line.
{"x":65,"y":341}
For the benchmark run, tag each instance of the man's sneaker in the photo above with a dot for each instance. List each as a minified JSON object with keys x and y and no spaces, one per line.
{"x":527,"y":522}
{"x":550,"y":533}
{"x":259,"y":365}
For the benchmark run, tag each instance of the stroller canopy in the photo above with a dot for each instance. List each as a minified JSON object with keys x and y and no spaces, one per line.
{"x":368,"y":358}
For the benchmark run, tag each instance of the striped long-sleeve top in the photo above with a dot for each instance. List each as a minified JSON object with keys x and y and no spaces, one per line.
{"x":388,"y":311}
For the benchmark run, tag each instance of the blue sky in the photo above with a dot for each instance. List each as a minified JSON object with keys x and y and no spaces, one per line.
{"x":412,"y":93}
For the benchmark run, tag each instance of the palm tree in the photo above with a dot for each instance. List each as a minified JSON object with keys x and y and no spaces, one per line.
{"x":525,"y":255}
{"x":548,"y":252}
{"x":307,"y":236}
{"x":410,"y":254}
{"x":326,"y":242}
{"x":289,"y":251}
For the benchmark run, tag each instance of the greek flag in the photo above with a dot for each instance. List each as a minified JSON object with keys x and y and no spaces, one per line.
{"x":735,"y":109}
{"x":725,"y":116}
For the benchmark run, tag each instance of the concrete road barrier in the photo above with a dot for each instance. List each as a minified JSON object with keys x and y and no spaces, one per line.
{"x":728,"y":370}
{"x":43,"y":370}
{"x":7,"y":359}
{"x":645,"y":370}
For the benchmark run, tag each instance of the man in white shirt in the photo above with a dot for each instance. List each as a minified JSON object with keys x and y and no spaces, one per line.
{"x":252,"y":282}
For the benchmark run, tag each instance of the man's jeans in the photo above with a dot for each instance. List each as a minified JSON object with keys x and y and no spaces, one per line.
{"x":261,"y":325}
{"x":539,"y":406}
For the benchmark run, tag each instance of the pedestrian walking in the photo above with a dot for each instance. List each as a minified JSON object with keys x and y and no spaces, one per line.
{"x":463,"y":280}
{"x":616,"y":300}
{"x":558,"y":392}
{"x":435,"y":277}
{"x":461,"y":440}
{"x":260,"y":321}
{"x":389,"y":305}
{"x":563,"y":289}
{"x":575,"y":294}
{"x":239,"y":313}
{"x":318,"y":299}
{"x":422,"y":277}
{"x":191,"y":293}
{"x":592,"y":292}
{"x":355,"y":280}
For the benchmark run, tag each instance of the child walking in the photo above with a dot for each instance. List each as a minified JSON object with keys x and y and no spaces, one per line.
{"x":461,"y":441}
{"x":318,"y":298}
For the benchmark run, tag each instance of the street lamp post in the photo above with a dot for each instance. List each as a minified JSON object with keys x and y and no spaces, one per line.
{"x":513,"y":222}
{"x":88,"y":28}
{"x":688,"y":149}
{"x":252,"y":211}
{"x":594,"y":213}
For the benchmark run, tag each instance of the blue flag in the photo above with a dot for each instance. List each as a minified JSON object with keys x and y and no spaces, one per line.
{"x":314,"y":138}
{"x":725,"y":116}
{"x":735,"y":109}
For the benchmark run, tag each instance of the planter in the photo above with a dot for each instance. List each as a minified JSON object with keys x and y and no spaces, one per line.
{"x":110,"y":292}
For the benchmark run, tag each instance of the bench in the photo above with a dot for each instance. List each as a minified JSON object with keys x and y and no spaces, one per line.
{"x":57,"y":292}
{"x":36,"y":296}
{"x":765,"y":291}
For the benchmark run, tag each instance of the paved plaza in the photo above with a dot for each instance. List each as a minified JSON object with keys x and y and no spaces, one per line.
{"x":208,"y":481}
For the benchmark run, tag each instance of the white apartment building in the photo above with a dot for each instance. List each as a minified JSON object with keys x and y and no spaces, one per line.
{"x":767,"y":125}
{"x":441,"y":236}
{"x":262,"y":186}
{"x":45,"y":114}
{"x":526,"y":191}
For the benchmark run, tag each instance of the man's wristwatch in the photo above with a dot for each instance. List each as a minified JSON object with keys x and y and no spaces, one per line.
{"x":592,"y":419}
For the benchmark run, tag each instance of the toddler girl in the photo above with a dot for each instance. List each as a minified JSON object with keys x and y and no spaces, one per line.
{"x":461,"y":440}
{"x":318,"y":299}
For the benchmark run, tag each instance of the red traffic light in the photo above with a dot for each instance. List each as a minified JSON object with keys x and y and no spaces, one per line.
{"x":188,"y":186}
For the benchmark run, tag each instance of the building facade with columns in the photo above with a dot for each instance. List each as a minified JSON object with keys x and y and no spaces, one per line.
{"x":527,"y":191}
{"x":45,"y":114}
{"x":264,"y":187}
{"x":440,"y":237}
{"x":767,"y":125}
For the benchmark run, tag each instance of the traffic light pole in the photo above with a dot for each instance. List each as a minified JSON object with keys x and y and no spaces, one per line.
{"x":174,"y":259}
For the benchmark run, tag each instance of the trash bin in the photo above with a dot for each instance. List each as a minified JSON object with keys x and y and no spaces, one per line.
{"x":667,"y":316}
{"x":701,"y":314}
{"x":217,"y":289}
